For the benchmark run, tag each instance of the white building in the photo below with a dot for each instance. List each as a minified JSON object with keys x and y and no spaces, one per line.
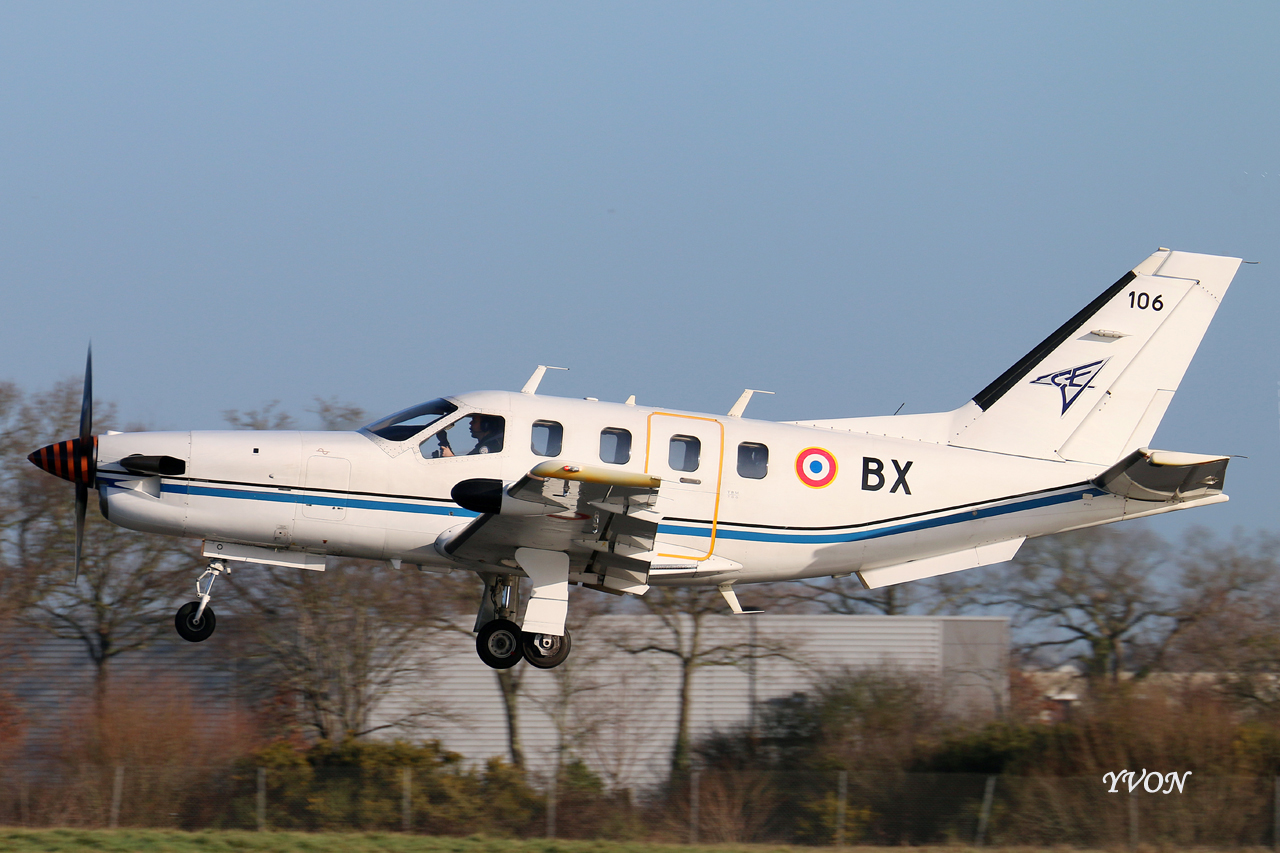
{"x":617,"y":710}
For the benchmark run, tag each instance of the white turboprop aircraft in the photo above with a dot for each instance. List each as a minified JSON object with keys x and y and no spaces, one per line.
{"x":620,"y":497}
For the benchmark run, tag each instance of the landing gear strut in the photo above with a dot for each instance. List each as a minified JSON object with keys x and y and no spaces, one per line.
{"x":195,"y":620}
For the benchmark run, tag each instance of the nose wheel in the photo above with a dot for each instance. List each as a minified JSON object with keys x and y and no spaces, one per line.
{"x":192,"y":627}
{"x":195,"y":620}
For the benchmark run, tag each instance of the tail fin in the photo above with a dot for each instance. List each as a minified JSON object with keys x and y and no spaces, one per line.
{"x":1097,"y":387}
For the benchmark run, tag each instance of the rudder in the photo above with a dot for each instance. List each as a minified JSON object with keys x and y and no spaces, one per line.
{"x":1098,"y":386}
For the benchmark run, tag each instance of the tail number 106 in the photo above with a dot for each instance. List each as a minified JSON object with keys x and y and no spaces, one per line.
{"x":1145,"y":300}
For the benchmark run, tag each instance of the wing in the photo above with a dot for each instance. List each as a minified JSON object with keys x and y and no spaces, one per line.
{"x":605,"y":520}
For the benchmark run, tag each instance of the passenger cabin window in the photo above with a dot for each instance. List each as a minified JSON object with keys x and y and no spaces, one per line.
{"x":470,"y":436}
{"x":615,"y":446}
{"x":548,"y":436}
{"x":683,"y":455}
{"x":406,"y":424}
{"x":753,"y":460}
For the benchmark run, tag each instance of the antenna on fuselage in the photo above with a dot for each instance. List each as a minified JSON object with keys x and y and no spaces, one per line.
{"x":531,"y":387}
{"x":741,"y":406}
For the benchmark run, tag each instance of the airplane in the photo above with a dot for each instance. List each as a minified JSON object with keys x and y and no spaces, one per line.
{"x":618,"y":497}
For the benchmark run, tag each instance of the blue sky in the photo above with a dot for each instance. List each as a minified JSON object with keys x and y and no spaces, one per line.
{"x":856,"y":206}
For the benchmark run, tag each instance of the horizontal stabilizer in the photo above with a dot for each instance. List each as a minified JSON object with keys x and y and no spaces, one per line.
{"x":1163,"y":475}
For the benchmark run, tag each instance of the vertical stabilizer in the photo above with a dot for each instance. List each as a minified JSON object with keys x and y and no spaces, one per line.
{"x":1098,"y":386}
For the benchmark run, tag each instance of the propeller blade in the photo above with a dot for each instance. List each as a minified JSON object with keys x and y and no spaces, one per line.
{"x":82,"y":506}
{"x":86,"y":437}
{"x":76,"y":459}
{"x":86,"y":402}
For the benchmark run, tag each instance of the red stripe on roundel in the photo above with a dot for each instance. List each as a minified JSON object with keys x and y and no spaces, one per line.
{"x":827,"y":467}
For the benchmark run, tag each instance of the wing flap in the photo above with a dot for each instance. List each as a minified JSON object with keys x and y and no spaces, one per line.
{"x":605,"y":520}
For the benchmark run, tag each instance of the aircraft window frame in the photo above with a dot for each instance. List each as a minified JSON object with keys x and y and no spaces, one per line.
{"x":686,"y":442}
{"x":553,"y":446}
{"x":475,"y":449}
{"x":621,"y":447}
{"x":392,"y":428}
{"x":750,"y":466}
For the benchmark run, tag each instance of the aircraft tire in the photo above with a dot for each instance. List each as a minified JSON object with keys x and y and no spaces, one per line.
{"x":545,"y":651}
{"x":498,"y":644}
{"x":190,"y":630}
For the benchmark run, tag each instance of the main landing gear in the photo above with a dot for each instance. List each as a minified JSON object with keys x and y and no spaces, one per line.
{"x":195,"y":620}
{"x":501,"y":643}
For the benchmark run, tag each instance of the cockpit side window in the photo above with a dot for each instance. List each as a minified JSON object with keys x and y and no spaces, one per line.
{"x":473,"y":435}
{"x":405,"y":424}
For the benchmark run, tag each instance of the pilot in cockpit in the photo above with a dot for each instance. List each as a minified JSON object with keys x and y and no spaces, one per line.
{"x":487,"y":432}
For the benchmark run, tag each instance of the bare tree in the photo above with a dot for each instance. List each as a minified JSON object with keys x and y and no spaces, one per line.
{"x":509,"y":682}
{"x":1091,"y":597}
{"x":622,"y":718}
{"x":847,"y":595}
{"x":14,"y":584}
{"x":346,"y":642}
{"x":1120,"y":602}
{"x":561,"y":693}
{"x":126,"y":597}
{"x":268,"y":417}
{"x":567,"y":679}
{"x":335,"y":414}
{"x":1229,"y":607}
{"x":682,"y":614}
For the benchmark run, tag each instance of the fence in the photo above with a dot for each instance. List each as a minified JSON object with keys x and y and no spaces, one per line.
{"x":710,"y":806}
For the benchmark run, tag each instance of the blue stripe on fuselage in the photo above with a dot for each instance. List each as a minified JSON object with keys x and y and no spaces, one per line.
{"x":703,"y":530}
{"x":858,"y":535}
{"x":276,"y":496}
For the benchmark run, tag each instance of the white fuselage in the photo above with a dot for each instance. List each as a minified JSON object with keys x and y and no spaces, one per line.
{"x":891,"y":500}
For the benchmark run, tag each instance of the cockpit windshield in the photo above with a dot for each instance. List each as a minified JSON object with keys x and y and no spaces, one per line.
{"x":408,"y":423}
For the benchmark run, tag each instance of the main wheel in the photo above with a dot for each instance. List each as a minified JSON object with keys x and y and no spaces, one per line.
{"x":546,"y":651}
{"x":498,"y":644}
{"x":191,"y":630}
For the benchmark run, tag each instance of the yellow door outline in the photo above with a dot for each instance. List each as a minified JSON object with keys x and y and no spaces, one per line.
{"x":715,"y":512}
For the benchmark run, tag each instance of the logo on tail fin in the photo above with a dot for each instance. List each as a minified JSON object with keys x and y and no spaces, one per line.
{"x":1072,"y":382}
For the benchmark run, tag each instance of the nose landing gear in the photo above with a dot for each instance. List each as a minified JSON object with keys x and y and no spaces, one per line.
{"x":195,"y":620}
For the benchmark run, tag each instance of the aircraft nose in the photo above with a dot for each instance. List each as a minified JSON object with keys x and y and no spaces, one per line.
{"x":74,"y":460}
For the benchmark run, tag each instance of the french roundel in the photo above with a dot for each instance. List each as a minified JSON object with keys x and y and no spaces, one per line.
{"x":816,"y":467}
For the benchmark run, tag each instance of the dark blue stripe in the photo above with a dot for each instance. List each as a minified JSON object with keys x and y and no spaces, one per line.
{"x":859,"y":535}
{"x":303,"y":498}
{"x":674,"y":529}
